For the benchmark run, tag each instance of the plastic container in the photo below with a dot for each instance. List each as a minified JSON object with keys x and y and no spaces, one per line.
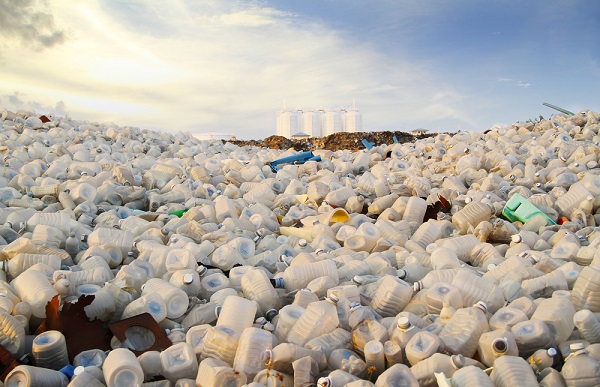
{"x":424,"y":371}
{"x":318,"y":319}
{"x":176,"y":300}
{"x":257,"y":287}
{"x":237,"y":314}
{"x":253,"y":342}
{"x":121,"y":368}
{"x":471,"y":376}
{"x":151,"y":303}
{"x":558,"y":314}
{"x":216,"y":373}
{"x":50,"y":350}
{"x":462,"y":333}
{"x":580,"y":369}
{"x":471,"y":215}
{"x":392,"y":296}
{"x":495,"y":344}
{"x":179,"y":362}
{"x":34,"y":288}
{"x":299,"y":276}
{"x":421,"y":346}
{"x":586,"y":290}
{"x":512,"y":371}
{"x":25,"y":375}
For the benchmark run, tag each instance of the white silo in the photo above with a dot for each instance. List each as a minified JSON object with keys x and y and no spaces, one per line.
{"x":287,"y":123}
{"x":352,"y":121}
{"x":333,"y":123}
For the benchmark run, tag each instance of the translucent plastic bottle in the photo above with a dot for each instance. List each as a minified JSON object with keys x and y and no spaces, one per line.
{"x":421,"y":346}
{"x":110,"y":236}
{"x":34,"y":288}
{"x":586,"y":291}
{"x":424,"y":371}
{"x":495,"y":344}
{"x":25,"y":375}
{"x":253,"y":342}
{"x":214,"y":372}
{"x":532,"y":335}
{"x":471,"y":215}
{"x":512,"y":371}
{"x":580,"y":369}
{"x":298,"y":276}
{"x":121,"y":368}
{"x":319,"y":318}
{"x":237,"y":313}
{"x":175,"y":299}
{"x":178,"y":362}
{"x":557,"y":313}
{"x":461,"y":334}
{"x":588,"y":325}
{"x":392,"y":296}
{"x":474,"y":288}
{"x":542,"y":359}
{"x":257,"y":287}
{"x":471,"y":376}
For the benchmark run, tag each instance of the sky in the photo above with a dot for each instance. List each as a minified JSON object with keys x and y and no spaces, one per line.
{"x":228,"y":66}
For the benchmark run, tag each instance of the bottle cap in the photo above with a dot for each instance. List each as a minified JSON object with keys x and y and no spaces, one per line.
{"x":458,"y":361}
{"x":270,"y":314}
{"x":302,"y":243}
{"x":84,"y":238}
{"x":516,"y":238}
{"x":404,"y":323}
{"x":552,"y":352}
{"x":324,"y":382}
{"x":417,"y":286}
{"x":188,"y":278}
{"x":357,"y":280}
{"x":277,"y":282}
{"x":218,"y":311}
{"x":269,"y":327}
{"x":401,"y":273}
{"x":333,"y":298}
{"x":481,"y":305}
{"x":201,"y":270}
{"x":500,"y":345}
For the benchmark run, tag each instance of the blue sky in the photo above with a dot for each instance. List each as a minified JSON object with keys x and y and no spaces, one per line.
{"x":228,"y":66}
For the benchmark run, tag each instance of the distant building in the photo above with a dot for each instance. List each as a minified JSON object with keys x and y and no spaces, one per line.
{"x":419,"y":132}
{"x":317,"y":123}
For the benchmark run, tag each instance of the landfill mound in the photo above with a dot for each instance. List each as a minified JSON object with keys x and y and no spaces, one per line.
{"x":130,"y":256}
{"x":333,"y":142}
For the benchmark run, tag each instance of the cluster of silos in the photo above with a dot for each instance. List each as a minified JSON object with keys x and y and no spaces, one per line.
{"x":317,"y":123}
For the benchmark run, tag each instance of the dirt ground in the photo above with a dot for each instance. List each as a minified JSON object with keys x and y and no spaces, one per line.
{"x":333,"y":142}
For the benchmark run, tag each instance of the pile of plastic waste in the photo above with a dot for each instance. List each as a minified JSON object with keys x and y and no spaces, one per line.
{"x":132,"y":257}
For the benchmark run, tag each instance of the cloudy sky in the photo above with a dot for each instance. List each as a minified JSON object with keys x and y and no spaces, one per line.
{"x":228,"y":66}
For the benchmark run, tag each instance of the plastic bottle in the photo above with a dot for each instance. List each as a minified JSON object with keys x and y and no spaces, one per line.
{"x":237,"y":313}
{"x":542,"y":359}
{"x":424,"y":370}
{"x":579,"y":368}
{"x":121,"y":368}
{"x":506,"y":317}
{"x":475,"y":289}
{"x":441,"y":293}
{"x":257,"y":287}
{"x":253,"y":342}
{"x":175,"y":299}
{"x":298,"y":276}
{"x":471,"y":215}
{"x":151,"y":303}
{"x":512,"y":371}
{"x":462,"y":333}
{"x":494,"y":344}
{"x":532,"y":335}
{"x":558,"y":314}
{"x":34,"y":288}
{"x":214,"y":372}
{"x":348,"y":361}
{"x":586,"y":290}
{"x":285,"y":319}
{"x":178,"y":362}
{"x":392,"y":296}
{"x":471,"y":376}
{"x":397,"y":375}
{"x":588,"y":325}
{"x":23,"y":261}
{"x":319,"y":318}
{"x":12,"y":335}
{"x":25,"y":375}
{"x":421,"y":346}
{"x":50,"y":350}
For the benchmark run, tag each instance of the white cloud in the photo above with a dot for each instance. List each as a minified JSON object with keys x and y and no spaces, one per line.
{"x":222,"y":66}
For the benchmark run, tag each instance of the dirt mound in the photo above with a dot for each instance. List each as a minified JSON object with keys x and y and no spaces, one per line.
{"x":333,"y":142}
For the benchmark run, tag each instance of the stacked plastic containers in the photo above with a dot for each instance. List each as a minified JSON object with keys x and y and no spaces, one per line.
{"x":460,"y":259}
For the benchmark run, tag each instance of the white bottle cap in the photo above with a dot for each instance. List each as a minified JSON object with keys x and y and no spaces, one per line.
{"x":188,"y":278}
